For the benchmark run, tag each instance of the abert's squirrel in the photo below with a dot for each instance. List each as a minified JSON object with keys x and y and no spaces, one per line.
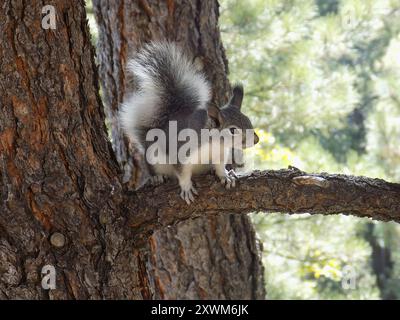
{"x":171,"y":90}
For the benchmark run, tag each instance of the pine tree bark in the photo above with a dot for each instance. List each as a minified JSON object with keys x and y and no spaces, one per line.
{"x":213,"y":257}
{"x":60,"y":193}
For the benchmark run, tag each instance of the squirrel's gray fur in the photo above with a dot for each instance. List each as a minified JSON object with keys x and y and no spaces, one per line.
{"x":170,"y":88}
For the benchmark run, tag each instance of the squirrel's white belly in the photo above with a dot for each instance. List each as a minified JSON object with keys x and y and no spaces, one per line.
{"x":201,"y":168}
{"x":164,"y":169}
{"x":169,"y":170}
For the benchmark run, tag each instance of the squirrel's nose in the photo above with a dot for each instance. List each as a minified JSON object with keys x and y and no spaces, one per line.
{"x":256,"y":138}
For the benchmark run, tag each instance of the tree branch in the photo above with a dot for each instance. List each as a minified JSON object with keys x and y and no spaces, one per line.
{"x":287,"y":190}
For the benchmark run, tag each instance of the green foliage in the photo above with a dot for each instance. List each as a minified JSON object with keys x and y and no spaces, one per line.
{"x":322,"y":83}
{"x":305,"y":257}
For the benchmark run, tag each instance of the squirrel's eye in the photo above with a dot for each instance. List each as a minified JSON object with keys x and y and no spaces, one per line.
{"x":233,"y":130}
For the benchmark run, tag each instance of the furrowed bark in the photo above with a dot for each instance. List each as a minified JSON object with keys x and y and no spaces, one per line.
{"x":58,"y":174}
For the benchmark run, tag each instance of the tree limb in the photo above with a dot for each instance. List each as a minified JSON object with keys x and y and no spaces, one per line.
{"x":287,"y":190}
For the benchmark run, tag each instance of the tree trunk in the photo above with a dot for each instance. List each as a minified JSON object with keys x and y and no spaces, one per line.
{"x":212,"y":257}
{"x":60,"y":193}
{"x":381,"y":263}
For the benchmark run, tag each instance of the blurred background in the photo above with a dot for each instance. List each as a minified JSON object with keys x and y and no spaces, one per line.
{"x":322,"y":85}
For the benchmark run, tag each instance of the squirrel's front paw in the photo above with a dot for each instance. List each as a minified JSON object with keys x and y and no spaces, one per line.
{"x":188,"y":192}
{"x":228,"y":179}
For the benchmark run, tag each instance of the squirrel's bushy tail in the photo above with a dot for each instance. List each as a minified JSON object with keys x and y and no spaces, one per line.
{"x":166,"y":82}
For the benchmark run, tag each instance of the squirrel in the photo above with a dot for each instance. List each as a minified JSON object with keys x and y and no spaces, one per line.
{"x":170,"y":90}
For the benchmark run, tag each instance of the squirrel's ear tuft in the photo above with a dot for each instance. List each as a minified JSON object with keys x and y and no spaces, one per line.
{"x":215,"y":113}
{"x":237,"y":96}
